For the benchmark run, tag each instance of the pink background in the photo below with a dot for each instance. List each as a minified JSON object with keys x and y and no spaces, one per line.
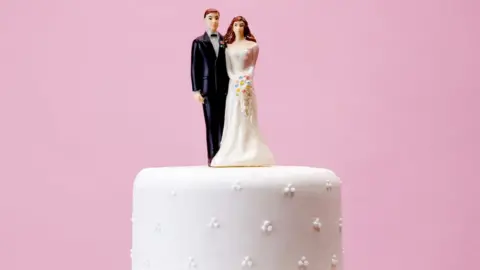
{"x":382,"y":92}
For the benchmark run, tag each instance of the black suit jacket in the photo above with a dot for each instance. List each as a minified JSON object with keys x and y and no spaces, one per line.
{"x":208,"y":72}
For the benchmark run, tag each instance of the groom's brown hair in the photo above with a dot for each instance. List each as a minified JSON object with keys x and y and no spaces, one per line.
{"x":210,"y":10}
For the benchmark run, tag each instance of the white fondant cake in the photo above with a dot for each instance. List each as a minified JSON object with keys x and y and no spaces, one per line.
{"x":270,"y":218}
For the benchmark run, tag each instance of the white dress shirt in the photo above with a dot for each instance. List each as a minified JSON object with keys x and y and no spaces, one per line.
{"x":215,"y":41}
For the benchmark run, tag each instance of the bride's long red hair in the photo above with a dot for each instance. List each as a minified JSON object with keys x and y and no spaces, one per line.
{"x":230,"y":35}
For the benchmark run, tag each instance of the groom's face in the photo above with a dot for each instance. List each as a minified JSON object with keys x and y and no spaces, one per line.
{"x":212,"y":20}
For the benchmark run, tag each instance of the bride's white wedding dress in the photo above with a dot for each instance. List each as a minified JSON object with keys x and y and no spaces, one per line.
{"x":242,"y":143}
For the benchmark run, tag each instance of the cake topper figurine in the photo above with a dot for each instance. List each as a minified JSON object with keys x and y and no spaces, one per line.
{"x":210,"y":79}
{"x":242,"y":144}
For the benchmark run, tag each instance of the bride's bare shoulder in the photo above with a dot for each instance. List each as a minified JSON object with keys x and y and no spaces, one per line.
{"x":251,"y":43}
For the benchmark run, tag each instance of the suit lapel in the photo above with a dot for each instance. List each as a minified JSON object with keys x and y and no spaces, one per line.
{"x":221,"y":49}
{"x":206,"y":40}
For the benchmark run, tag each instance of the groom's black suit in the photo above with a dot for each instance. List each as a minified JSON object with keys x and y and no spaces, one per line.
{"x":209,"y":76}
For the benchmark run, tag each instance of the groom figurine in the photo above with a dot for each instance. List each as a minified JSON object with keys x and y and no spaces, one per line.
{"x":210,"y":79}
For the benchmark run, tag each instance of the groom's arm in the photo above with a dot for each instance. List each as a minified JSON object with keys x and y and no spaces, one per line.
{"x":195,"y":65}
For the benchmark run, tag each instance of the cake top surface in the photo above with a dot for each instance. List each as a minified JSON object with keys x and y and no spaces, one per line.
{"x":205,"y":170}
{"x":204,"y":175}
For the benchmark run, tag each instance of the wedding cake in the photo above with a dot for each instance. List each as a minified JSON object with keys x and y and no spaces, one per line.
{"x":270,"y":218}
{"x":242,"y":210}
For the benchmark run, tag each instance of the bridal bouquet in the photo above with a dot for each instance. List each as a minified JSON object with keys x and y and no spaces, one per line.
{"x":244,"y":90}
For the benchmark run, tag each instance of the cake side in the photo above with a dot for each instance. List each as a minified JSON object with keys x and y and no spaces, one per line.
{"x":272,"y":218}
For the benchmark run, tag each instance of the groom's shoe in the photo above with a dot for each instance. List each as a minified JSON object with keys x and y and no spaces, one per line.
{"x":209,"y":162}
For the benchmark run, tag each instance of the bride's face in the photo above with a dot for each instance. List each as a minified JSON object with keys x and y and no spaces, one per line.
{"x":238,"y":28}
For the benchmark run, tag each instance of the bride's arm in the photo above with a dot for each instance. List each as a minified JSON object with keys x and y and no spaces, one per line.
{"x":228,"y":64}
{"x":253,"y":59}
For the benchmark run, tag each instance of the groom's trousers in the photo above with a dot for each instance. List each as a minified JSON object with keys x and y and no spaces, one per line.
{"x":214,"y":113}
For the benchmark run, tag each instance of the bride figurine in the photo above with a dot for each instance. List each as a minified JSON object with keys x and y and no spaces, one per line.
{"x":242,"y":144}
